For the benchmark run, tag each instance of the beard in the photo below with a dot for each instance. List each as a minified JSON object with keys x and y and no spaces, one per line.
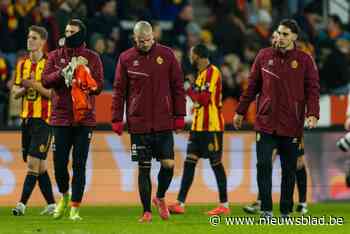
{"x":282,"y":46}
{"x":143,"y":48}
{"x":194,"y":65}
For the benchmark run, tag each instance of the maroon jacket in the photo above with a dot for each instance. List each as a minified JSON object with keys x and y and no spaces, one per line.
{"x":62,"y":112}
{"x":286,"y":84}
{"x":152,"y":86}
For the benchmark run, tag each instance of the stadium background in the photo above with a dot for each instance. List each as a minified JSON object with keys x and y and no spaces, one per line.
{"x":180,"y":24}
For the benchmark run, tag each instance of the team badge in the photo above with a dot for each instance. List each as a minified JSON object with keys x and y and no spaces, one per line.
{"x":211,"y":147}
{"x":63,"y":60}
{"x":258,"y":136}
{"x":42,"y":148}
{"x":160,"y":60}
{"x":136,"y":63}
{"x":294,"y":64}
{"x":270,"y":62}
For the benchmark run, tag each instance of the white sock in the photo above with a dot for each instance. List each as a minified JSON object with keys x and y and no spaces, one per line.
{"x":181,"y":204}
{"x":21,"y":205}
{"x":225,"y":204}
{"x":303,"y":204}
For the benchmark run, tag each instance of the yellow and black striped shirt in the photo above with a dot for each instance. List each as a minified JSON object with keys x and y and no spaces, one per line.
{"x":209,"y":118}
{"x":34,"y":105}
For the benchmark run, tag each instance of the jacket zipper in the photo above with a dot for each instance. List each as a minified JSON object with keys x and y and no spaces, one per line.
{"x":152,"y":108}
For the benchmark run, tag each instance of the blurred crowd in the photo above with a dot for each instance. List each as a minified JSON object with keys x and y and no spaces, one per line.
{"x":234,"y":31}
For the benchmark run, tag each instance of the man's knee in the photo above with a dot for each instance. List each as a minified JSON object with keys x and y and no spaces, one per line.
{"x":145,"y":164}
{"x":33,"y":164}
{"x":168,"y":163}
{"x":215,"y":161}
{"x":191,"y":158}
{"x":300,"y":162}
{"x":42,"y":167}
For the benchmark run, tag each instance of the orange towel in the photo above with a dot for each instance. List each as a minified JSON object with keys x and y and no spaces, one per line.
{"x":82,"y":84}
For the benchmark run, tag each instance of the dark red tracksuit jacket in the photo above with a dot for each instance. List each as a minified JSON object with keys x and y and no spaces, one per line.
{"x":151,"y":85}
{"x":62,"y":112}
{"x":286,"y":84}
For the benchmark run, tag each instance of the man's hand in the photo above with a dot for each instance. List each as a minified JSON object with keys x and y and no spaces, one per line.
{"x":18,"y":91}
{"x":237,"y":121}
{"x":311,"y":122}
{"x":117,"y":127}
{"x":347,"y":124}
{"x":28,"y":83}
{"x":179,"y":124}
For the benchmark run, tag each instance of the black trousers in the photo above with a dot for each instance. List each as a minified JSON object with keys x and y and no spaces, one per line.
{"x":65,"y":138}
{"x":288,"y":151}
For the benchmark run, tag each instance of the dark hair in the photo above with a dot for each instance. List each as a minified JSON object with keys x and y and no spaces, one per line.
{"x":336,"y":19}
{"x":291,"y":24}
{"x":201,"y":50}
{"x":39,"y":30}
{"x":80,"y":24}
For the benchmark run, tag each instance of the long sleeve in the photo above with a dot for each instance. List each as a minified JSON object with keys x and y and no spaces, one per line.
{"x":312,"y":89}
{"x":97,"y":74}
{"x":119,"y":92}
{"x":51,"y":77}
{"x":177,"y":88}
{"x":254,"y":87}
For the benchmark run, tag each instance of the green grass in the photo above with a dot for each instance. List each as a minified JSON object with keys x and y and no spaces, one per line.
{"x":123,"y":220}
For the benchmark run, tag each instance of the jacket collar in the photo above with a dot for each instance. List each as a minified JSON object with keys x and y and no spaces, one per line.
{"x":80,"y":48}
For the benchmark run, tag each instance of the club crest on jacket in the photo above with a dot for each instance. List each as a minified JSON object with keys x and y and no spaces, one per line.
{"x":294,"y":64}
{"x":160,"y":60}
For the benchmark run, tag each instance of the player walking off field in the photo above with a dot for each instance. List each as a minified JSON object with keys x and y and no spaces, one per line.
{"x":206,"y":136}
{"x":150,"y":81}
{"x":36,"y":110}
{"x":70,"y":71}
{"x":286,"y":82}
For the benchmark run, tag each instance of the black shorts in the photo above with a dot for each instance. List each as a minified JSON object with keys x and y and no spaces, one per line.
{"x":158,"y":145}
{"x":205,"y":144}
{"x":36,"y":138}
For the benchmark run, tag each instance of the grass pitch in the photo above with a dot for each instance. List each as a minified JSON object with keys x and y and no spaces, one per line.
{"x":123,"y":220}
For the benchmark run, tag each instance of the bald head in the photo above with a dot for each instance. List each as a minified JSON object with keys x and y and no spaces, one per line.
{"x":143,"y":36}
{"x":142,"y":27}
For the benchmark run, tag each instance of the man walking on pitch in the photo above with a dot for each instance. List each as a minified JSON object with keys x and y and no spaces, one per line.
{"x":36,"y":111}
{"x":150,"y":81}
{"x":207,"y":129}
{"x":286,"y":82}
{"x":61,"y":74}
